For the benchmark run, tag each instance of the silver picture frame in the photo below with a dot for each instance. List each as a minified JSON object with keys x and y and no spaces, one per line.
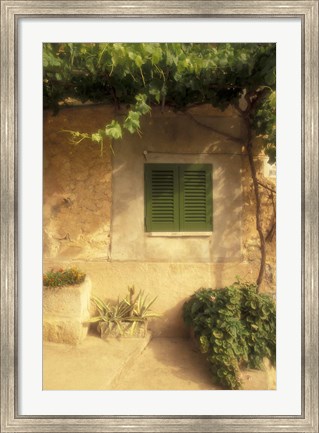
{"x":11,"y":12}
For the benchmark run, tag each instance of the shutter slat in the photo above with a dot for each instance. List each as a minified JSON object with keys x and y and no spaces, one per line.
{"x":161,"y":197}
{"x":195,"y":201}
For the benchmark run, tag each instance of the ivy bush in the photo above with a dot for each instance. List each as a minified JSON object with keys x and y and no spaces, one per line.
{"x":235,"y":327}
{"x":63,"y":277}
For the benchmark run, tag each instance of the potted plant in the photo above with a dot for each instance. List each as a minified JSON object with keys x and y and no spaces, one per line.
{"x":66,"y":305}
{"x":126,"y":318}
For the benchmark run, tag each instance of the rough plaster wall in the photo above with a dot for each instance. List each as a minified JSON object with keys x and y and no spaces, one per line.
{"x":251,"y":243}
{"x":77,"y":216}
{"x":77,"y":186}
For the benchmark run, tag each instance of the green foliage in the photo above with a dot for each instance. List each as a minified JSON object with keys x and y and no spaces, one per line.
{"x":127,"y":310}
{"x":264,"y":123}
{"x":63,"y":277}
{"x":235,"y":327}
{"x":113,"y":130}
{"x":176,"y":74}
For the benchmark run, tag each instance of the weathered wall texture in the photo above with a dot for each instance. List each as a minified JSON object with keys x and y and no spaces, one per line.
{"x":93,"y":213}
{"x":76,"y":186}
{"x":251,"y":243}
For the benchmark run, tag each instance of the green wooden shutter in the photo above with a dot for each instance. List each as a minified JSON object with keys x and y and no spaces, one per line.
{"x":195,"y":197}
{"x":161,"y":197}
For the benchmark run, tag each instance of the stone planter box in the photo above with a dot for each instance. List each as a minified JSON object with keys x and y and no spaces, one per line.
{"x":112,"y":330}
{"x":65,"y":311}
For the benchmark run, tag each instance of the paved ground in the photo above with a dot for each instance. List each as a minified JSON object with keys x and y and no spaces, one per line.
{"x":167,"y":364}
{"x":133,"y":364}
{"x":92,"y":365}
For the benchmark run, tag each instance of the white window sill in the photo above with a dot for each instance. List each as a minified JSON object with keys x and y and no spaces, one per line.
{"x":178,"y":234}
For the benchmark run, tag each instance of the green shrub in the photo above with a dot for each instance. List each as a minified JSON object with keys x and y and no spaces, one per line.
{"x":235,"y":327}
{"x":63,"y":277}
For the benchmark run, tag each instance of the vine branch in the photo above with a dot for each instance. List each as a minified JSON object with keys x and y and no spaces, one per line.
{"x":204,"y":125}
{"x":266,"y":187}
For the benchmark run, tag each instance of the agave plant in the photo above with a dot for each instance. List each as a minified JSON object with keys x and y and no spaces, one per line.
{"x":141,"y":310}
{"x":126,"y":311}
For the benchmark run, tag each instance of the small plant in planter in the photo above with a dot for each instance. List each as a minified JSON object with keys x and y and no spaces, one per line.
{"x":66,"y":305}
{"x":235,"y":327}
{"x":126,"y":318}
{"x":63,"y":277}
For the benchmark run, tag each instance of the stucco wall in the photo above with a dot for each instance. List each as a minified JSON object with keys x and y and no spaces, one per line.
{"x":172,"y":283}
{"x":93,"y":214}
{"x":178,"y":138}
